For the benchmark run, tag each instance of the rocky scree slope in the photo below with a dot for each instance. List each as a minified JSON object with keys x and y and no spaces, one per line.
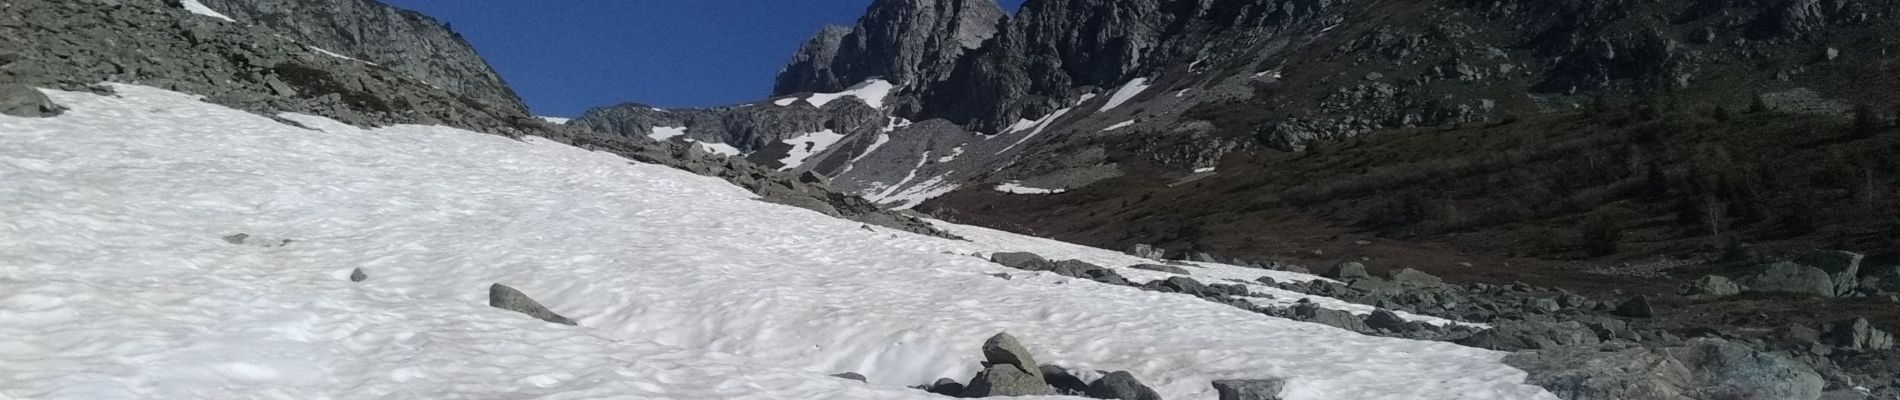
{"x":403,"y":40}
{"x":73,"y":45}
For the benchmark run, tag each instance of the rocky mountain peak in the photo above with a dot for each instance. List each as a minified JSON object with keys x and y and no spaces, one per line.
{"x":908,"y":42}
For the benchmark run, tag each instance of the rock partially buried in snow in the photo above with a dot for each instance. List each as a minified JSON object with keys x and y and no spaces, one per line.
{"x":1022,"y":261}
{"x":1249,"y":389}
{"x":1161,"y":268}
{"x":507,"y":298}
{"x":21,"y":101}
{"x":1120,"y":385}
{"x":357,"y":275}
{"x":852,"y":376}
{"x":1146,"y":251}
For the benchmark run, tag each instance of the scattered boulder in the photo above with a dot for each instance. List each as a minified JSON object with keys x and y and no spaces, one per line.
{"x":1161,"y":268}
{"x":1408,"y":276}
{"x":1120,"y":385}
{"x":357,"y":275}
{"x":1347,"y":271}
{"x":1203,"y":257}
{"x":1022,"y":261}
{"x":1309,"y":312}
{"x":507,"y":298}
{"x":1842,"y":267}
{"x":852,"y":376}
{"x":1858,"y":335}
{"x":1711,"y":286}
{"x":1637,"y":307}
{"x":1010,"y":370}
{"x":1063,"y":382}
{"x":1720,"y":369}
{"x":1388,"y":321}
{"x":1181,"y":284}
{"x":22,"y":101}
{"x":1789,"y":277}
{"x":1084,"y":270}
{"x":1005,"y":349}
{"x":945,"y":386}
{"x":1532,"y":335}
{"x":1583,"y":373}
{"x":1249,"y":389}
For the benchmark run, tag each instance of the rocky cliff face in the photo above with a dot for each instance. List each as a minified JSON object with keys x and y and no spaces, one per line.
{"x":909,"y":43}
{"x":369,"y":30}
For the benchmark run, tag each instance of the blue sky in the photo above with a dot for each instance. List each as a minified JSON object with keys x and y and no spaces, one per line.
{"x":565,"y":56}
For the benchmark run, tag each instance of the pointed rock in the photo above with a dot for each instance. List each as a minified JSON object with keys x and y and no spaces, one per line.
{"x":357,"y":275}
{"x":507,"y":298}
{"x":1003,"y":349}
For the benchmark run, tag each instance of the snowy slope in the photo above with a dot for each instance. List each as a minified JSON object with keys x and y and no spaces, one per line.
{"x":115,"y":283}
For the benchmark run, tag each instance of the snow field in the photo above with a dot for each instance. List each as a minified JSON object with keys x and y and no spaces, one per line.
{"x":114,"y":282}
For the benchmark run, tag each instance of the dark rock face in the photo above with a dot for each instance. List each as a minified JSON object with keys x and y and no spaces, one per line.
{"x":507,"y":298}
{"x":907,"y":42}
{"x":399,"y":39}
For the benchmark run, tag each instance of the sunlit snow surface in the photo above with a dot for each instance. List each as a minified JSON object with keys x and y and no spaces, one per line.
{"x":807,"y":145}
{"x":872,"y":92}
{"x":115,"y":284}
{"x":196,"y":7}
{"x":664,"y":133}
{"x":1125,"y":93}
{"x":1018,"y":188}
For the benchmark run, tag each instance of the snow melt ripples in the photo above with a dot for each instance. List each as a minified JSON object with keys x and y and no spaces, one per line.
{"x":117,"y":284}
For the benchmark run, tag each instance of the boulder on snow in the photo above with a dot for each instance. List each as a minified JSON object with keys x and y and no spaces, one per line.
{"x":22,"y":101}
{"x":1249,"y":389}
{"x":1010,"y":370}
{"x":1309,"y":312}
{"x":1022,"y":261}
{"x":1006,"y":380}
{"x":1789,"y":277}
{"x":1711,"y":286}
{"x":1388,"y":321}
{"x":1857,"y":335}
{"x":1084,"y":270}
{"x":852,"y":376}
{"x":1161,"y":268}
{"x":1347,"y":271}
{"x":357,"y":275}
{"x":1062,"y":381}
{"x":1120,"y":385}
{"x":1719,"y":369}
{"x":1842,"y":267}
{"x":945,"y":386}
{"x":507,"y":298}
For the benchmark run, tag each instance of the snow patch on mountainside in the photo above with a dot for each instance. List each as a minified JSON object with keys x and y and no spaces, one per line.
{"x":872,"y":92}
{"x":1018,"y":188}
{"x":806,"y":145}
{"x":718,"y":148}
{"x":665,"y":133}
{"x":196,"y":7}
{"x":1127,"y":92}
{"x":556,"y":120}
{"x":117,"y":276}
{"x":1123,"y":124}
{"x":1035,"y":128}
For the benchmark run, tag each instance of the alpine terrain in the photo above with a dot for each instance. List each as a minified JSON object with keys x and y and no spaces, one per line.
{"x":1109,"y":199}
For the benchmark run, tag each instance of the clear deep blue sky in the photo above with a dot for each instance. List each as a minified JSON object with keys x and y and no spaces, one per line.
{"x":565,"y":56}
